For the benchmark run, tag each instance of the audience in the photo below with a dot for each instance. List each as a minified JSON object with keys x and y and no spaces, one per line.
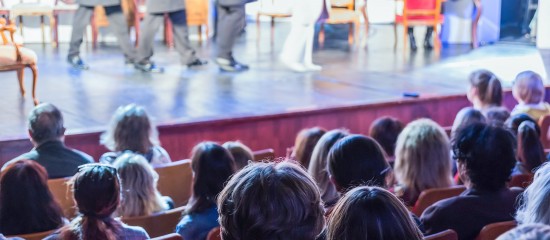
{"x":470,"y":116}
{"x":385,"y":131}
{"x":485,"y":156}
{"x":318,"y":166}
{"x":371,"y":213}
{"x":305,"y":142}
{"x":535,"y":204}
{"x":422,"y":160}
{"x":533,"y":231}
{"x":26,"y":203}
{"x":530,"y":153}
{"x":138,"y":182}
{"x":212,"y":166}
{"x":47,"y":134}
{"x":515,"y":120}
{"x":529,"y":91}
{"x":270,"y":201}
{"x":96,"y":189}
{"x":240,"y":152}
{"x":497,"y":116}
{"x":131,"y":130}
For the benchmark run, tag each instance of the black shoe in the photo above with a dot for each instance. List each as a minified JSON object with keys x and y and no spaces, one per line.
{"x":412,"y":41}
{"x":148,"y":67}
{"x":198,"y":62}
{"x":76,"y":62}
{"x":230,"y":65}
{"x":428,"y":39}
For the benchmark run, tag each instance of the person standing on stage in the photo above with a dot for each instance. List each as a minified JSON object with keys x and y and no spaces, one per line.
{"x":82,"y":18}
{"x":151,"y":23}
{"x":231,"y":22}
{"x":298,"y":49}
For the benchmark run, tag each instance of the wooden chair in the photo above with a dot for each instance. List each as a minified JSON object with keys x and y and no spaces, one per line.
{"x":34,"y":8}
{"x":493,"y":230}
{"x":448,"y":234}
{"x":264,"y":154}
{"x":158,"y":224}
{"x":62,"y":193}
{"x":214,"y":234}
{"x":60,"y":7}
{"x":342,"y":12}
{"x":431,"y":196}
{"x":270,"y":8}
{"x":197,"y":15}
{"x":171,"y":236}
{"x":419,"y":13}
{"x":522,"y":180}
{"x":33,"y":236}
{"x":544,"y":124}
{"x":175,"y":181}
{"x":15,"y":58}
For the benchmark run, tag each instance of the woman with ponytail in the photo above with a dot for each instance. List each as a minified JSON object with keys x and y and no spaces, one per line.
{"x":96,"y":189}
{"x":530,"y":153}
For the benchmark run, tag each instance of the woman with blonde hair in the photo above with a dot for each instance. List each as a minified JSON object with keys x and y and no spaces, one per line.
{"x":422,"y":160}
{"x":131,"y":130}
{"x":535,"y":207}
{"x":240,"y":152}
{"x":138,"y":179}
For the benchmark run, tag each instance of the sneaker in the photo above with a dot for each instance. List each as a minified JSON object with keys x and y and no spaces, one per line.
{"x":148,"y":67}
{"x":230,"y":65}
{"x":76,"y":62}
{"x":197,"y":62}
{"x":313,"y":67}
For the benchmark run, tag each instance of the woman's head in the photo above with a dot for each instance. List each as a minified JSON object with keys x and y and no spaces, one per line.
{"x":305,"y":142}
{"x":139,"y":186}
{"x":471,"y":115}
{"x":422,"y":157}
{"x":514,"y":121}
{"x":240,"y":152}
{"x":385,"y":131}
{"x":528,"y":88}
{"x":485,"y":90}
{"x":130,"y":129}
{"x":26,"y":203}
{"x":289,"y":201}
{"x":530,"y":151}
{"x":485,"y":156}
{"x":535,"y":207}
{"x":357,"y":160}
{"x":371,"y":213}
{"x":212,"y":166}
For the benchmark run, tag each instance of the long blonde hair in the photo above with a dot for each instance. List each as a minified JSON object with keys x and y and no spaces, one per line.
{"x":140,"y":196}
{"x":422,"y":157}
{"x":535,"y":207}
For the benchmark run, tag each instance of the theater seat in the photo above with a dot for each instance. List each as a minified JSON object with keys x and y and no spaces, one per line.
{"x":431,"y":196}
{"x":175,"y":181}
{"x":264,"y":155}
{"x":61,"y":191}
{"x":522,"y":181}
{"x":493,"y":230}
{"x":158,"y":224}
{"x":33,"y":236}
{"x":448,"y":234}
{"x":214,"y":234}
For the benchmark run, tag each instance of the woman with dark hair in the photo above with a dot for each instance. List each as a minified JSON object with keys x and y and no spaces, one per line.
{"x":26,"y":203}
{"x":385,"y":131}
{"x":530,"y":152}
{"x":96,"y":189}
{"x":240,"y":152}
{"x":270,"y":201}
{"x":212,"y":166}
{"x":305,"y":142}
{"x":371,"y":213}
{"x":515,"y":120}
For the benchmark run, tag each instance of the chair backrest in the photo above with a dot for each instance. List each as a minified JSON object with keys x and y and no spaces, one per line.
{"x":197,"y":12}
{"x":171,"y":236}
{"x":264,"y":155}
{"x":158,"y":224}
{"x":348,"y":4}
{"x":493,"y":230}
{"x":544,"y":124}
{"x":61,"y":191}
{"x":214,"y":234}
{"x":431,"y":196}
{"x":448,"y":234}
{"x":522,"y":180}
{"x":175,"y":181}
{"x":34,"y":236}
{"x":415,"y":8}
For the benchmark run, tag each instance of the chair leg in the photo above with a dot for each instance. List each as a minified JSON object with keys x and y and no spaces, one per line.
{"x":34,"y":79}
{"x":136,"y":29}
{"x":55,"y":30}
{"x":94,"y":31}
{"x":21,"y":25}
{"x":200,"y":33}
{"x":322,"y":35}
{"x":405,"y":28}
{"x":395,"y":36}
{"x":43,"y":31}
{"x":21,"y":77}
{"x":272,"y":29}
{"x":350,"y":34}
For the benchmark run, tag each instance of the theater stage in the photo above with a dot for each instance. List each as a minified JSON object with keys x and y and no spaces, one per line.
{"x":265,"y":106}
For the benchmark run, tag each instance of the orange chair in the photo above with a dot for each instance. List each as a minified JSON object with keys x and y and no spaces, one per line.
{"x":175,"y":181}
{"x":419,"y":13}
{"x":34,"y":236}
{"x":61,"y":191}
{"x":431,"y":196}
{"x":158,"y":224}
{"x":342,"y":12}
{"x":214,"y":234}
{"x":522,"y":180}
{"x":264,"y":155}
{"x":448,"y":234}
{"x":493,"y":230}
{"x":271,"y":9}
{"x":544,"y":124}
{"x":171,"y":236}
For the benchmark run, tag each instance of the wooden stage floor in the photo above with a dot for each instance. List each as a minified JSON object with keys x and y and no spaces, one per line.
{"x":351,"y":76}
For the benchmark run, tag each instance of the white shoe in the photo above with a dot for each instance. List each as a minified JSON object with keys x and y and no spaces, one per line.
{"x":294,"y":66}
{"x":313,"y":67}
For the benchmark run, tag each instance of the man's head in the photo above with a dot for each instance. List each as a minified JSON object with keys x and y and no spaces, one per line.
{"x":45,"y":123}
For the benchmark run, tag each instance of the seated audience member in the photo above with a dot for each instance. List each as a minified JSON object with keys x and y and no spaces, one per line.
{"x":530,"y":153}
{"x":529,"y":91}
{"x":371,"y":213}
{"x":26,"y":204}
{"x":212,"y":166}
{"x":131,"y":130}
{"x":96,"y":190}
{"x":304,"y":144}
{"x":318,"y":166}
{"x":533,"y":231}
{"x":240,"y":152}
{"x":422,"y":160}
{"x":47,"y":135}
{"x":270,"y":201}
{"x":485,"y":156}
{"x":535,"y":204}
{"x":497,"y":116}
{"x":515,"y":120}
{"x":485,"y":92}
{"x":470,"y":116}
{"x":138,"y":182}
{"x":385,"y":131}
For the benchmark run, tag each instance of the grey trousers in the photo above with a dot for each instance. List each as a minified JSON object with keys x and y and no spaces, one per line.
{"x":152,"y":22}
{"x":231,"y":21}
{"x":117,"y":22}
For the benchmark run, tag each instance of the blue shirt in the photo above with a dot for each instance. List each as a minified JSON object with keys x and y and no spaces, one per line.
{"x":196,"y":226}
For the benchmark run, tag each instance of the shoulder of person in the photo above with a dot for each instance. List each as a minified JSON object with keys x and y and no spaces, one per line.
{"x":32,"y":155}
{"x":84,"y":155}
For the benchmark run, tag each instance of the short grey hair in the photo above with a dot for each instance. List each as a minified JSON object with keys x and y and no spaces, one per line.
{"x":45,"y":123}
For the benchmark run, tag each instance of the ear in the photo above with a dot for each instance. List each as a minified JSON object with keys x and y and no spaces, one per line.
{"x":462,"y":173}
{"x":31,"y":137}
{"x":333,"y":181}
